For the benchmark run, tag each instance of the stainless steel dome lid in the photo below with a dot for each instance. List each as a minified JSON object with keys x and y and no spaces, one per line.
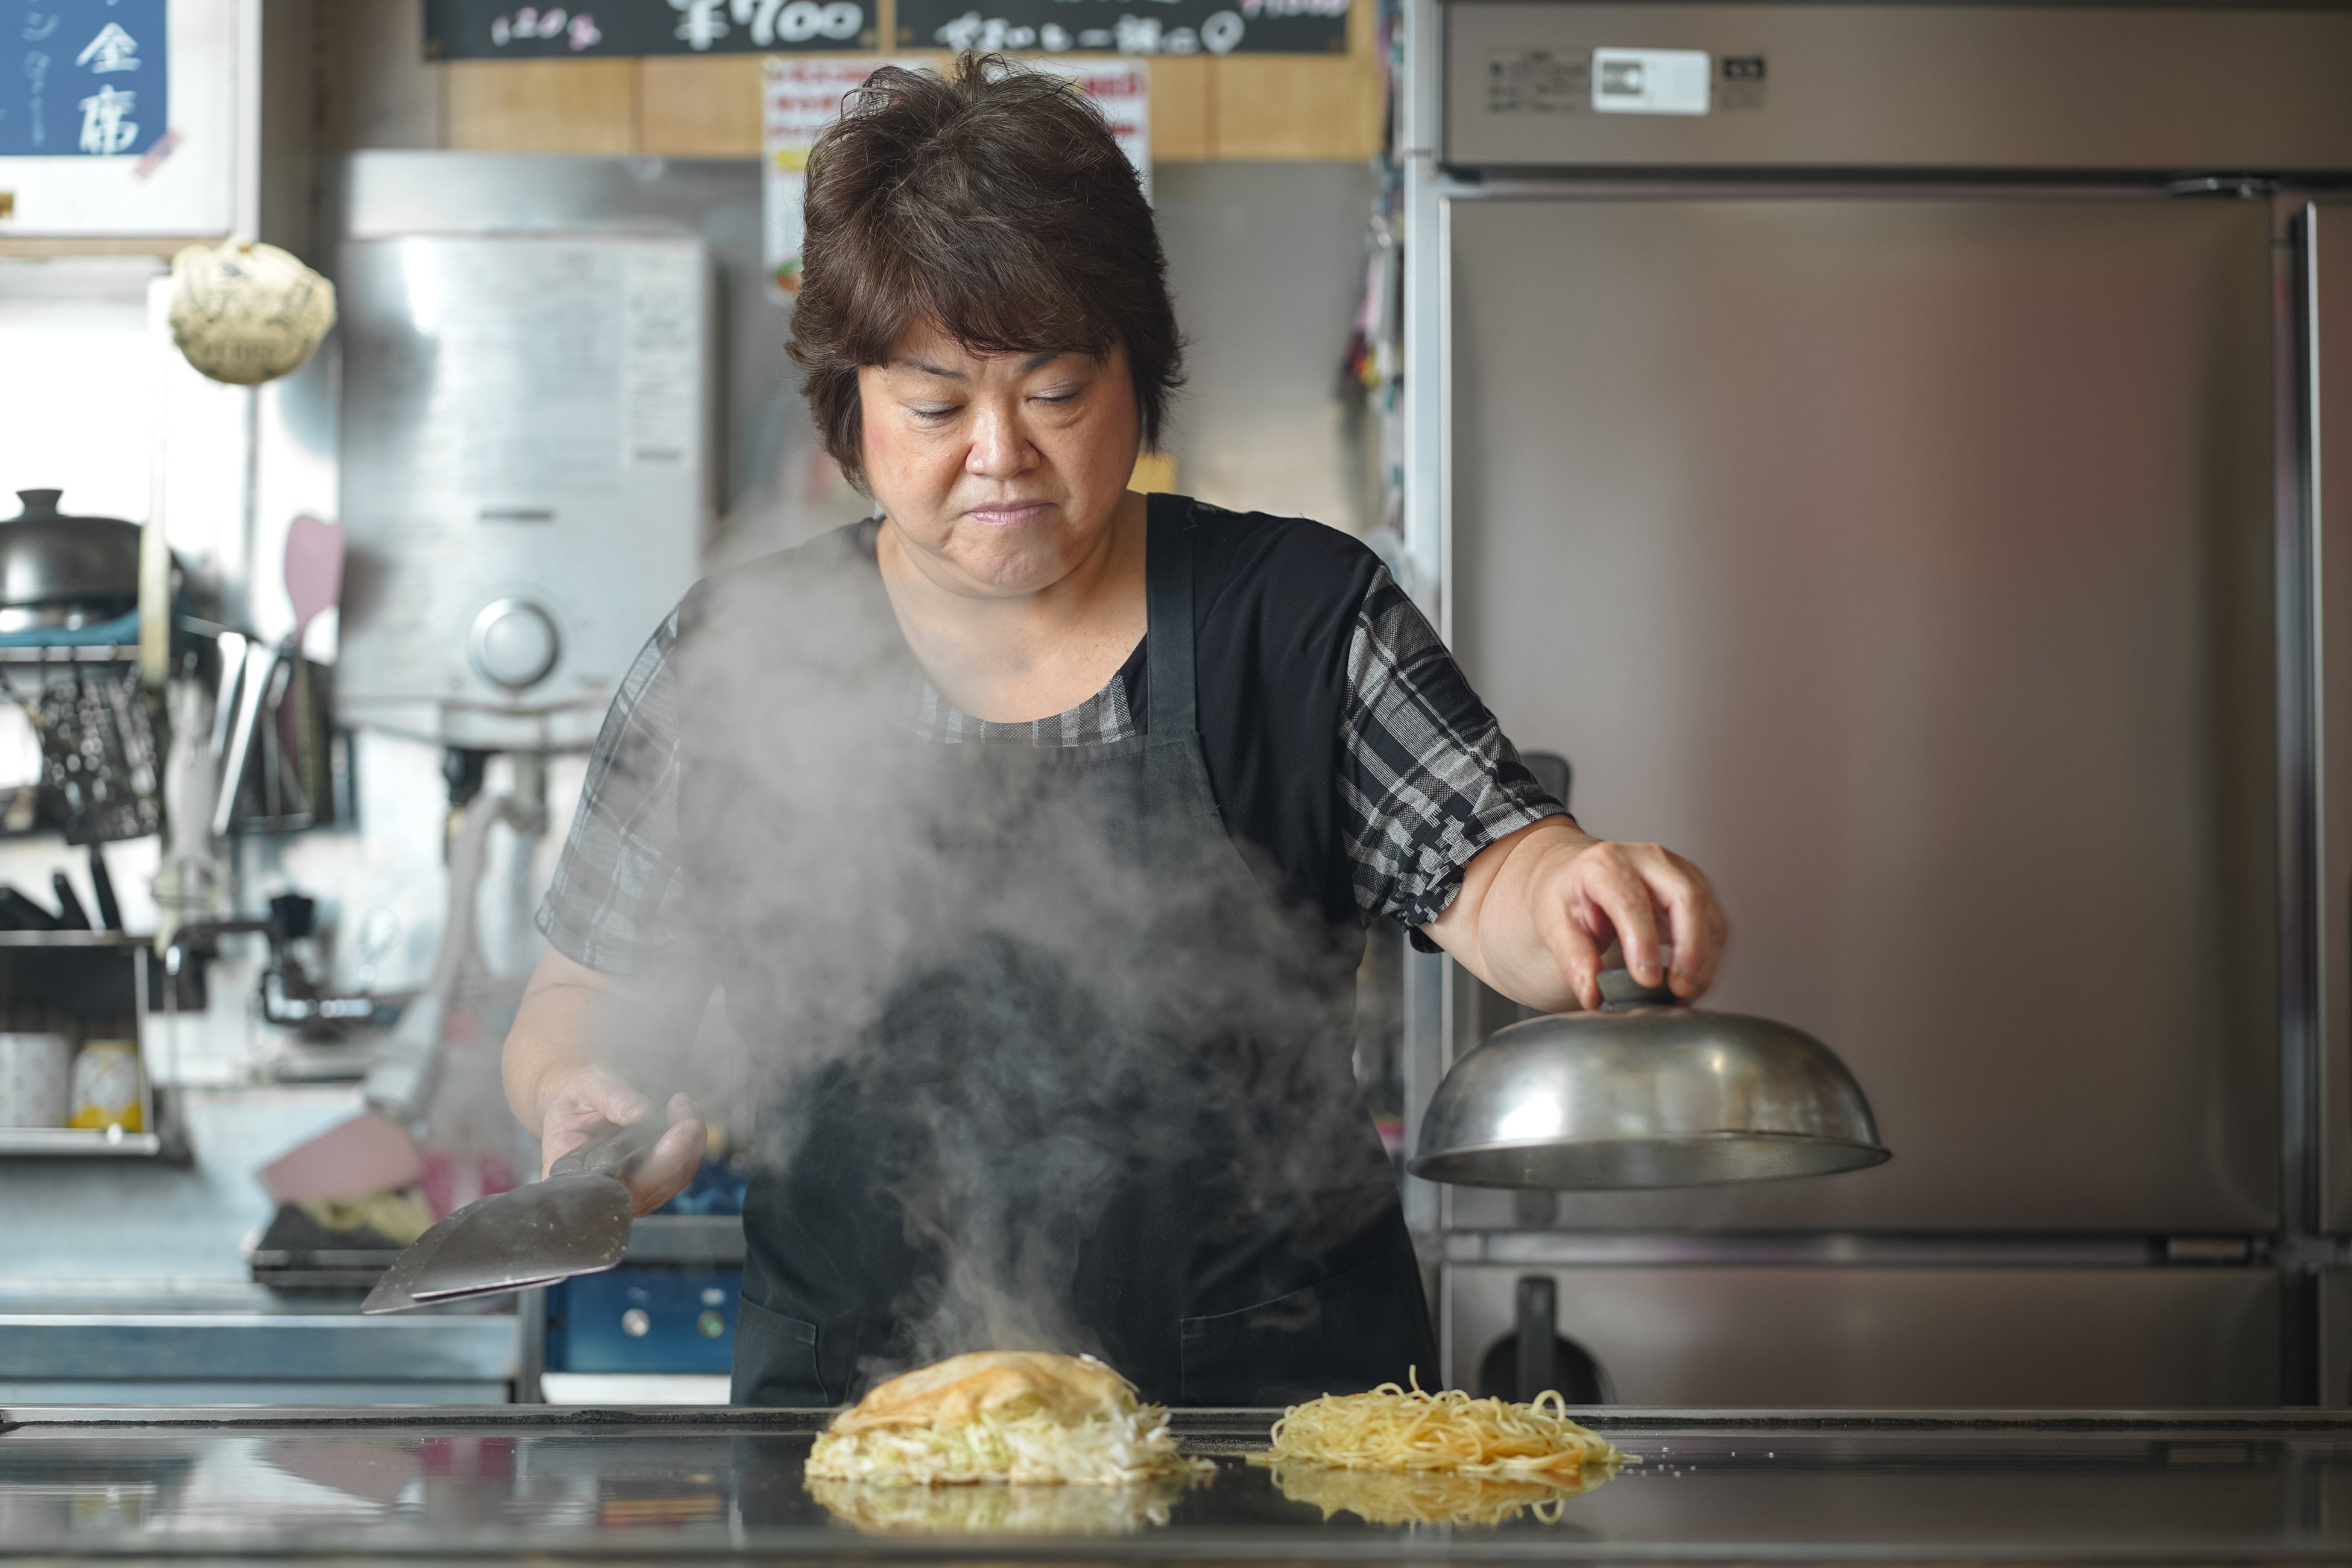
{"x":1645,"y":1093}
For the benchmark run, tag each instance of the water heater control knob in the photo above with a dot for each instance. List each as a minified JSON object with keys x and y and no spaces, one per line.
{"x":515,"y":643}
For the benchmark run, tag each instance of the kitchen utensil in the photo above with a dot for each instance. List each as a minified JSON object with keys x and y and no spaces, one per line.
{"x":18,"y":912}
{"x":314,"y":570}
{"x":575,"y":1222}
{"x":99,"y":762}
{"x":314,"y":575}
{"x":70,"y":914}
{"x":231,"y":646}
{"x":36,"y":1079}
{"x":314,"y":578}
{"x":260,"y":669}
{"x":101,"y":887}
{"x":1645,"y":1093}
{"x":61,"y":573}
{"x":1534,"y":1356}
{"x":106,"y":1087}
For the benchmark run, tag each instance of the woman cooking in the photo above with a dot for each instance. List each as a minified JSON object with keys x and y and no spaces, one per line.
{"x":1029,"y":830}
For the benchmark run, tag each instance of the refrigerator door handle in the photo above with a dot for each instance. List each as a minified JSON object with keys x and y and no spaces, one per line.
{"x":2316,"y":1079}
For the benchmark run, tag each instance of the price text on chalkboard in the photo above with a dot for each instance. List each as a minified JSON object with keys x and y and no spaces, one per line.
{"x":500,"y":29}
{"x":1127,"y":26}
{"x":81,"y":78}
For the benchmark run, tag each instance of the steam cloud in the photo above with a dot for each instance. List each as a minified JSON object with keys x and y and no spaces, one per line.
{"x":1049,"y":1046}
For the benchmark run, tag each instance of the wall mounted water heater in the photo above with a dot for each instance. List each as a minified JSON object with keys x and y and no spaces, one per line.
{"x":526,"y":475}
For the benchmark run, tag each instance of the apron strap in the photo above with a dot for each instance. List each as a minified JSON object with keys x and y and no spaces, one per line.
{"x":1168,"y":619}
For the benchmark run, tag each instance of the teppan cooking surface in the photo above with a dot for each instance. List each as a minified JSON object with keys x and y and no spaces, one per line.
{"x":598,"y":1485}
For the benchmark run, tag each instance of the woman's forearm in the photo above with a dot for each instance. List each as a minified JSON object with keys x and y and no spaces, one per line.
{"x":1539,"y":909}
{"x":1493,"y":927}
{"x":564,"y":1079}
{"x":574,"y":1018}
{"x":554,"y":1036}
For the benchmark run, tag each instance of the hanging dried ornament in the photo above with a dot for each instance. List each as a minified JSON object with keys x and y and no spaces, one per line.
{"x":245,"y":313}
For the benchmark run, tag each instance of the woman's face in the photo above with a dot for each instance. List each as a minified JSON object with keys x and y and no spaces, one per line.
{"x":1001,"y":472}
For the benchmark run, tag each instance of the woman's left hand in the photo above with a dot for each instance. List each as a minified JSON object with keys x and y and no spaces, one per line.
{"x":1539,"y":909}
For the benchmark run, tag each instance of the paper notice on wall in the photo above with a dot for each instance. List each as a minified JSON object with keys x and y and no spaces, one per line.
{"x":802,"y":96}
{"x":799,"y":99}
{"x":1122,"y":90}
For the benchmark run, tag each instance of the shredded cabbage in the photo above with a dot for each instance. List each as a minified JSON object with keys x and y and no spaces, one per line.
{"x":1024,"y":1446}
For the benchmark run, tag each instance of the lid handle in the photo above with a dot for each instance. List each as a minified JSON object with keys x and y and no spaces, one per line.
{"x":1620,"y":989}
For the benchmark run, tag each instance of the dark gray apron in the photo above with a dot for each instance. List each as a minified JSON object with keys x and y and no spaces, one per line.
{"x":1158,"y":1156}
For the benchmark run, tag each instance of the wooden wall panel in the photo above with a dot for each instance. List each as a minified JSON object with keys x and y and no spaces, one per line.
{"x":1286,"y":107}
{"x":376,"y":87}
{"x":166,"y":246}
{"x":1180,"y":108}
{"x":1300,"y":106}
{"x":542,"y":106}
{"x":692,"y":107}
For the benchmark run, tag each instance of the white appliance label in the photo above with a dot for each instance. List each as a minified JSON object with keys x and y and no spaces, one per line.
{"x":661,"y":357}
{"x":1651,"y":81}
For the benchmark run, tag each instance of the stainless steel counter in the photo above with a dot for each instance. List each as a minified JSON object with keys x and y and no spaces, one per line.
{"x":590,"y":1484}
{"x":214,"y":1343}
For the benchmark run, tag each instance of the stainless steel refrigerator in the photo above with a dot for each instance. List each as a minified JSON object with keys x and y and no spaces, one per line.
{"x":1880,"y":446}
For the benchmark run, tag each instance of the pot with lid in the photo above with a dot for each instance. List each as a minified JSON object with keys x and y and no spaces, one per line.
{"x":1644,"y":1092}
{"x":65,"y":572}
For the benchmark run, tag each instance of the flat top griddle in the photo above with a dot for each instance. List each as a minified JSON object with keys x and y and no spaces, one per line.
{"x":597,"y":1485}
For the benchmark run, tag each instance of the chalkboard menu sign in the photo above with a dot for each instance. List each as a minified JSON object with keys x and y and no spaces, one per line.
{"x":1127,"y":26}
{"x":82,"y":78}
{"x":500,"y":29}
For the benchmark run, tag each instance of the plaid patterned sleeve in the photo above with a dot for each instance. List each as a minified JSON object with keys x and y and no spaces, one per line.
{"x":1427,"y":778}
{"x":618,"y":890}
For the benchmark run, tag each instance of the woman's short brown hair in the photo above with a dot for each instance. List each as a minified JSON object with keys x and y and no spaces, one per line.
{"x":992,"y":203}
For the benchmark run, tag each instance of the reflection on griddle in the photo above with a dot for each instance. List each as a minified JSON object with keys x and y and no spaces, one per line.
{"x":1433,"y":1496}
{"x":1000,"y":1509}
{"x":638,"y":1513}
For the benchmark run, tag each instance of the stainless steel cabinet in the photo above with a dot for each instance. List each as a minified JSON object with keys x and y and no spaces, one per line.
{"x":1903,"y":87}
{"x":136,"y":1354}
{"x":2335,"y":1315}
{"x":1908,"y":564}
{"x":2046,"y":1337}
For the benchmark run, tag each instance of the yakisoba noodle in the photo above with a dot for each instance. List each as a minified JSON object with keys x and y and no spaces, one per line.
{"x":1394,"y":1428}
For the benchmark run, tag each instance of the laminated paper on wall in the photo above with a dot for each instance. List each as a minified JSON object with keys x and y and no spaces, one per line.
{"x":802,"y":97}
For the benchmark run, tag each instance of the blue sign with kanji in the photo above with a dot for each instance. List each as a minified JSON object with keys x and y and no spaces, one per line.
{"x":82,"y":78}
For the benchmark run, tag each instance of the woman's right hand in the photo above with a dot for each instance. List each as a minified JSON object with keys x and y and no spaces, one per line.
{"x":575,"y":1105}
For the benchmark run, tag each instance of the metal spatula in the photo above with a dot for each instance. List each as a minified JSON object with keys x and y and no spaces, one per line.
{"x":575,"y":1222}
